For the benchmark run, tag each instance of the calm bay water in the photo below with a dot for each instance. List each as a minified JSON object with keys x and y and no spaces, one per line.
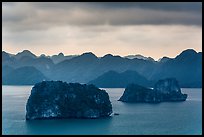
{"x":138,"y":118}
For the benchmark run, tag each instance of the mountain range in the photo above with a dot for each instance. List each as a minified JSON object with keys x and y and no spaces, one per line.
{"x":106,"y":71}
{"x":138,"y":56}
{"x":113,"y":79}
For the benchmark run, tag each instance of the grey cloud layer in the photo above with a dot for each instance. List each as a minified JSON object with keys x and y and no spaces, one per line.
{"x":35,"y":16}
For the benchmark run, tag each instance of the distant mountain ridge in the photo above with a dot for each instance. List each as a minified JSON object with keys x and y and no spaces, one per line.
{"x":24,"y":53}
{"x":113,"y":79}
{"x":22,"y":76}
{"x":138,"y":56}
{"x":185,"y":67}
{"x":60,"y":57}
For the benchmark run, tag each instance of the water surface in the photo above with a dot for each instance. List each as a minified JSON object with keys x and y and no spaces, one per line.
{"x":135,"y":118}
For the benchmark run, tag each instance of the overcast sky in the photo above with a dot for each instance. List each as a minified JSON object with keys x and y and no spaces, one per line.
{"x":151,"y":29}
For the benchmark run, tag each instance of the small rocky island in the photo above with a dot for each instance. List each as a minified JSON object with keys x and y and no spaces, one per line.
{"x":164,"y":90}
{"x":57,"y":99}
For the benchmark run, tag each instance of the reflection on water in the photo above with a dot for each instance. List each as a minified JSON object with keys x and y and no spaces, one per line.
{"x":71,"y":126}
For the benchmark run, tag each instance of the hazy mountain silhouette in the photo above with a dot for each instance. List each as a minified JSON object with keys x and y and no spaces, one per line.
{"x":26,"y":58}
{"x":24,"y":53}
{"x":112,"y":79}
{"x":138,"y":56}
{"x":23,"y":76}
{"x":186,"y":67}
{"x":77,"y":69}
{"x":60,"y":57}
{"x":7,"y":59}
{"x":5,"y":56}
{"x":87,"y":67}
{"x":6,"y":70}
{"x":164,"y":59}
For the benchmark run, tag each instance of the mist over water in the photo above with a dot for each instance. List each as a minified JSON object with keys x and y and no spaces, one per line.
{"x":135,"y":118}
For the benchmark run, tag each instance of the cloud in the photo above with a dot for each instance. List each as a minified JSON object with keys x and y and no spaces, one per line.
{"x":151,"y":29}
{"x":38,"y":16}
{"x":149,"y":40}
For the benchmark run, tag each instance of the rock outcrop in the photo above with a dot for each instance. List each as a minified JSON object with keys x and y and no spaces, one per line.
{"x":57,"y":99}
{"x":169,"y":90}
{"x":164,"y":90}
{"x":137,"y":93}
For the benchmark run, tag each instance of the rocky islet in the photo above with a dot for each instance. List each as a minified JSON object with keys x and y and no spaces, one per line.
{"x":164,"y":90}
{"x":57,"y":99}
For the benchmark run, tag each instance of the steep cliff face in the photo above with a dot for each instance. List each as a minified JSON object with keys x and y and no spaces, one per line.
{"x":169,"y":90}
{"x":164,"y":90}
{"x":57,"y":99}
{"x":137,"y":93}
